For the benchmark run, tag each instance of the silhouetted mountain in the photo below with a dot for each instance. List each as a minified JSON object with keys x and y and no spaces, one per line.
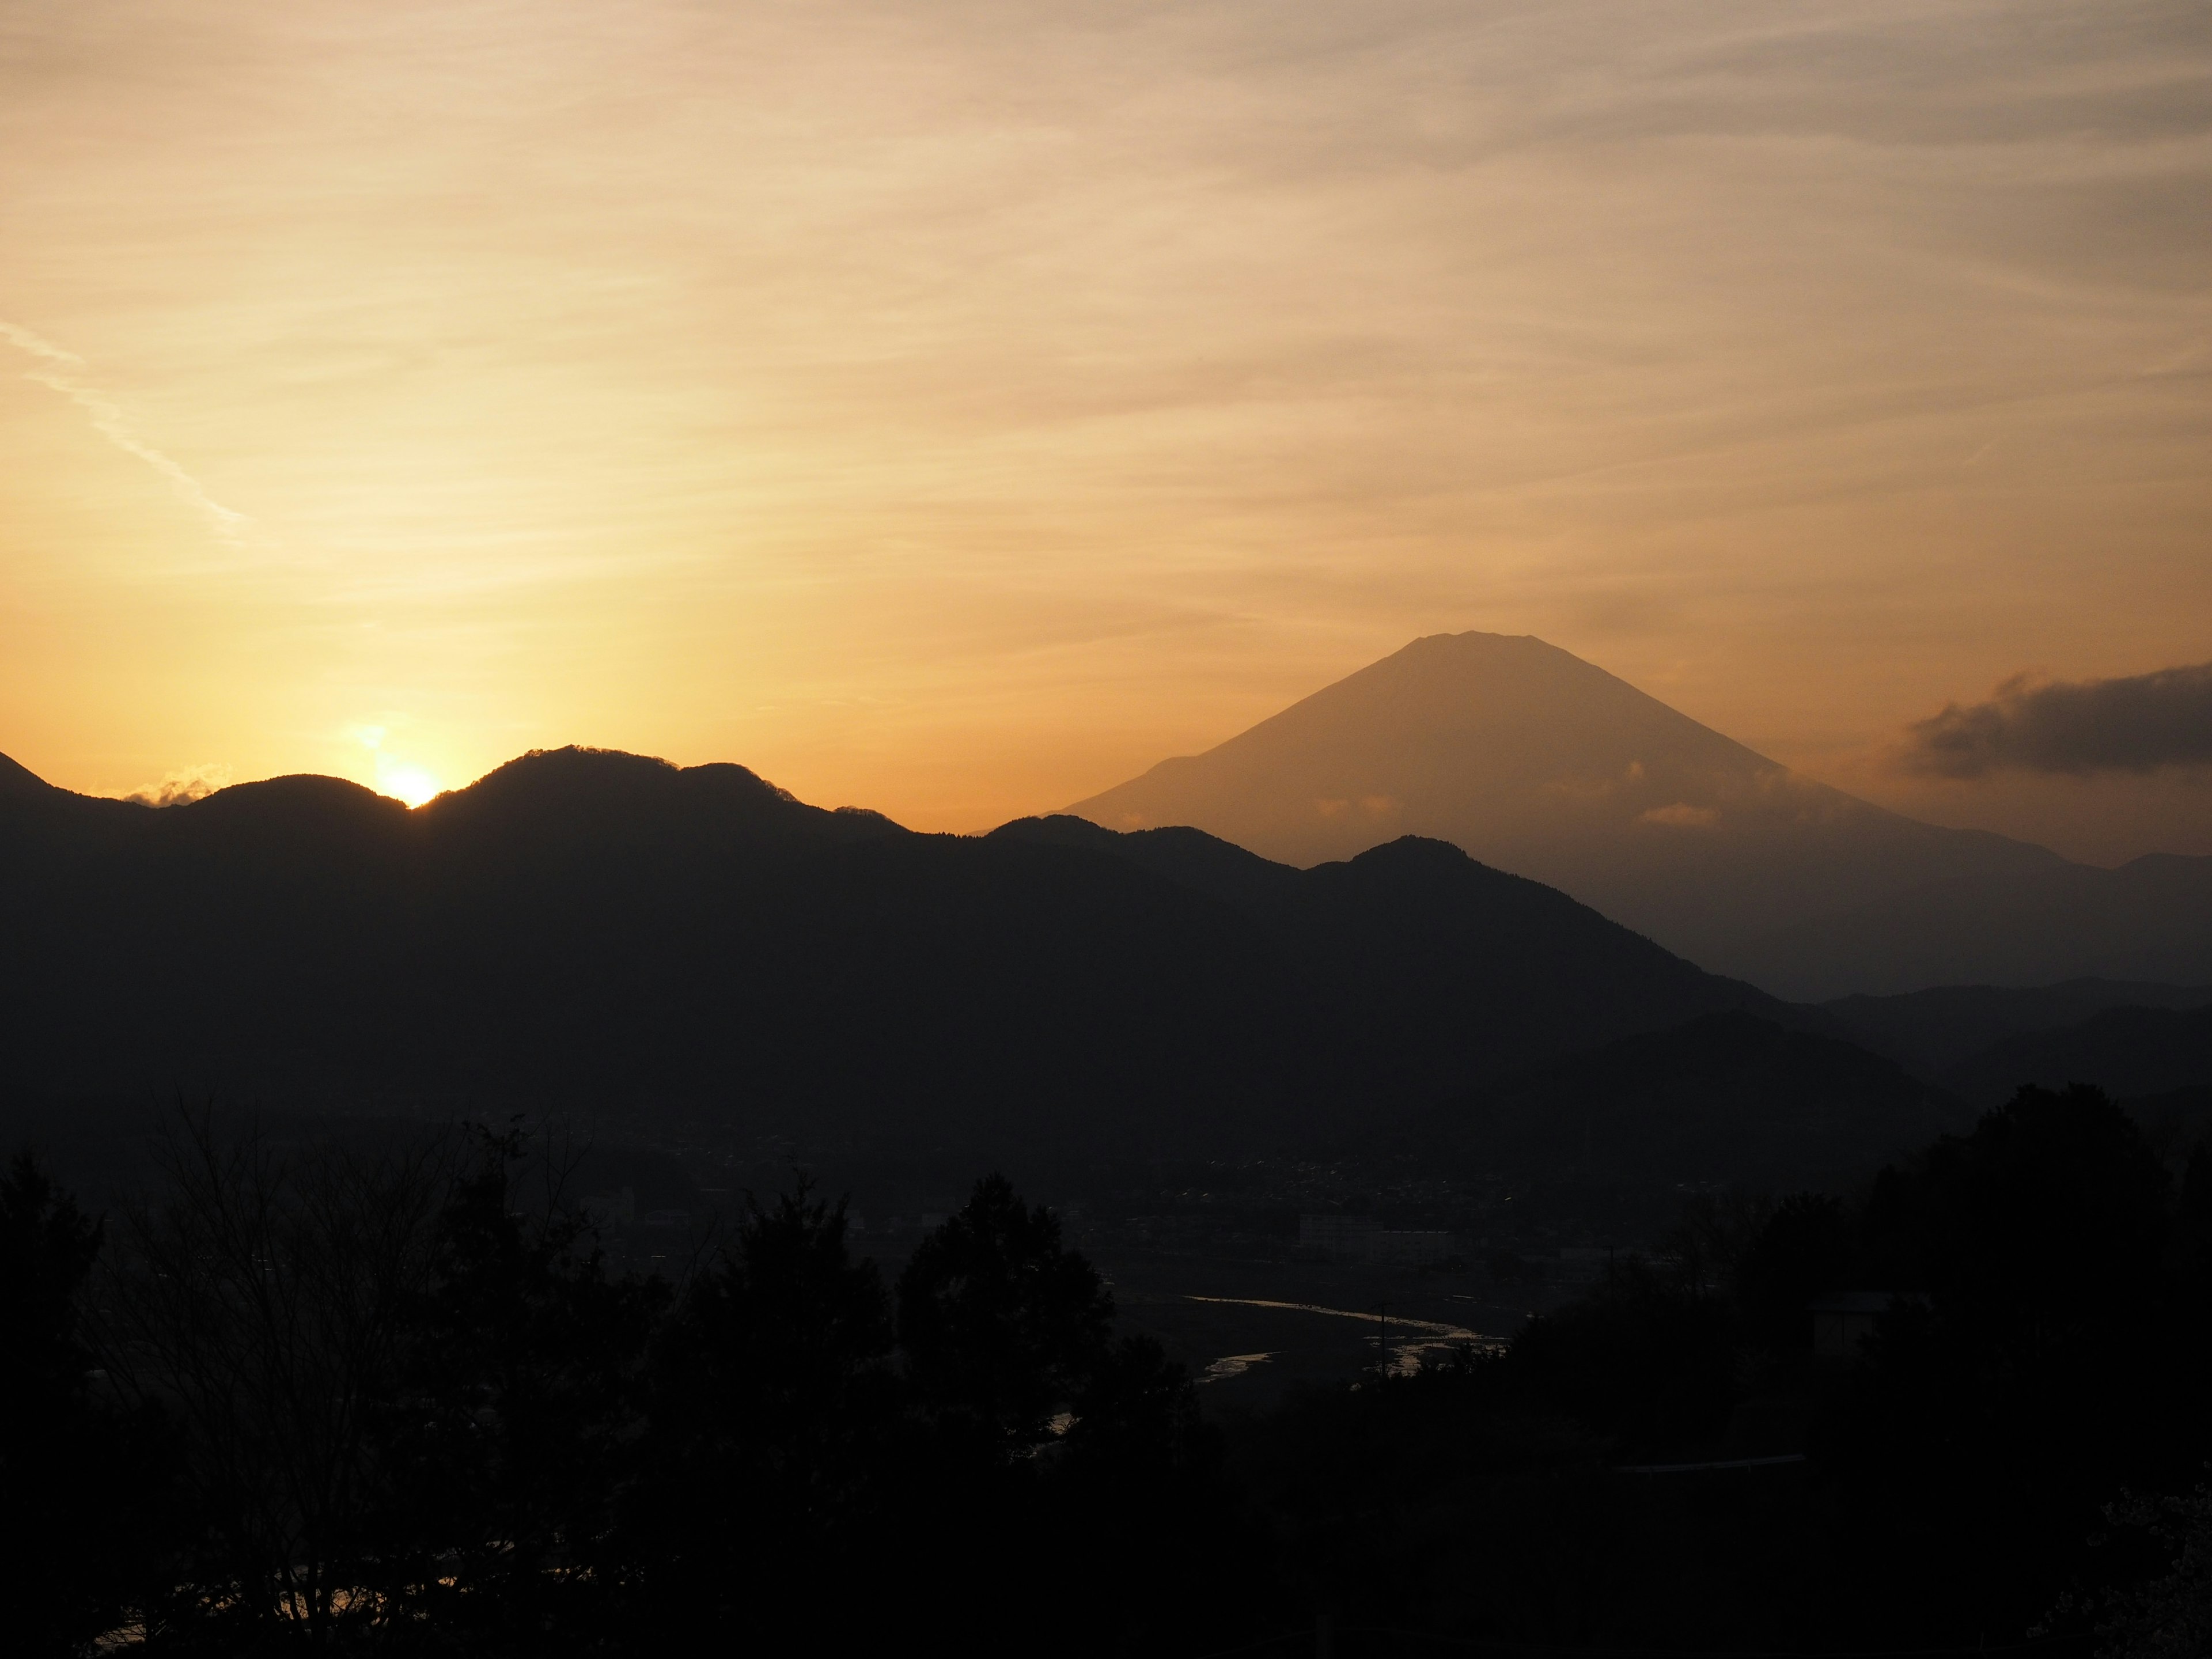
{"x":2150,"y":919}
{"x":1431,"y":963}
{"x":591,"y":930}
{"x":43,"y":830}
{"x":19,"y":782}
{"x":2126,"y":1052}
{"x":1728,"y":1097}
{"x":1931,"y":1031}
{"x":1534,"y":760}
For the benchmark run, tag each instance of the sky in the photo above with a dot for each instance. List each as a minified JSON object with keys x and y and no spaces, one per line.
{"x":956,"y":409}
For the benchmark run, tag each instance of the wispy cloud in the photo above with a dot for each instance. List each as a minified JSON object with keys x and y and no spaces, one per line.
{"x":958,"y":407}
{"x":183,"y":788}
{"x":2138,"y":723}
{"x":64,"y":371}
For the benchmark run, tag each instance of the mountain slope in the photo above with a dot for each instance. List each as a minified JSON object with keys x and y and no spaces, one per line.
{"x":1435,"y":967}
{"x":2150,"y":919}
{"x":592,"y":930}
{"x":2127,"y":1052}
{"x":1728,"y":1097}
{"x":1534,"y":761}
{"x":1930,"y":1031}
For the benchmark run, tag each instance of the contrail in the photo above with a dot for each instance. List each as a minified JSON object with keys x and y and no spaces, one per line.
{"x":62,"y":371}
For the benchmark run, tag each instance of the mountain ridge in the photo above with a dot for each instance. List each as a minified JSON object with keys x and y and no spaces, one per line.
{"x":603,"y":929}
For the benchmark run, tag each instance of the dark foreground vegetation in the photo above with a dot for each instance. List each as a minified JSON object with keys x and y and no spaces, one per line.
{"x":394,"y":1402}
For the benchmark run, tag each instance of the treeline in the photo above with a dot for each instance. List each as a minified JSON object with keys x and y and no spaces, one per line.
{"x":395,"y":1402}
{"x":2015,"y":1455}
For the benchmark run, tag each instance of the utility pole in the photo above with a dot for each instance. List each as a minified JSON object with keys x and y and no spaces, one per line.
{"x":1383,"y":1341}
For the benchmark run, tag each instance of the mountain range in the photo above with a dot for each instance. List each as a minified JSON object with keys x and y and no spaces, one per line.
{"x":589,"y":930}
{"x":597,"y":930}
{"x":1537,"y":762}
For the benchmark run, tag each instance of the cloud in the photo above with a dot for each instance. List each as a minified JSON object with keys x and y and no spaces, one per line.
{"x":182,"y":788}
{"x":2138,"y":723}
{"x":62,"y":371}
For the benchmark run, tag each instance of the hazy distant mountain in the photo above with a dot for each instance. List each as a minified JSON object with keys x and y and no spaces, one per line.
{"x":2148,"y":919}
{"x":1728,"y":1097}
{"x":1932,"y":1030}
{"x":2127,"y":1052}
{"x":602,"y":930}
{"x":1534,"y":760}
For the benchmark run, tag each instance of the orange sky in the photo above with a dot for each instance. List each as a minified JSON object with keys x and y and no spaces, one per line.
{"x":957,"y":408}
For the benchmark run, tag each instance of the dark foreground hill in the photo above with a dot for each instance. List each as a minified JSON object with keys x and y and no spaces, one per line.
{"x":1730,"y":1097}
{"x":601,"y":932}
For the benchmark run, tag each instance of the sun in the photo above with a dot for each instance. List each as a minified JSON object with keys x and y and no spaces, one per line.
{"x":409,"y":783}
{"x":399,"y":779}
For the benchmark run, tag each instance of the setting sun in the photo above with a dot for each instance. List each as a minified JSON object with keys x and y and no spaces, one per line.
{"x":409,"y":783}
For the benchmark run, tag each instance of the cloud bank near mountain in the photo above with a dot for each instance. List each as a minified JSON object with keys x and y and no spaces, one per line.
{"x":2139,"y":723}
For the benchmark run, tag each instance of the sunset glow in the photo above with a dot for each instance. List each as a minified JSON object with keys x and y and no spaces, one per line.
{"x":409,"y":783}
{"x":957,"y":410}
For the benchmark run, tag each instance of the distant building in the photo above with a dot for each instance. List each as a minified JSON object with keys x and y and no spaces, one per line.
{"x":1410,"y":1247}
{"x":1845,"y":1319}
{"x":1335,"y":1237}
{"x":1584,"y":1264}
{"x":1358,"y":1238}
{"x":616,"y":1208}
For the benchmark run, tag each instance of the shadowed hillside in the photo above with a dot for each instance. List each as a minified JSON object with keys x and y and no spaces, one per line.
{"x":1932,"y":1030}
{"x":2128,"y":1052}
{"x":1728,"y":1097}
{"x":2151,"y":919}
{"x":594,"y":930}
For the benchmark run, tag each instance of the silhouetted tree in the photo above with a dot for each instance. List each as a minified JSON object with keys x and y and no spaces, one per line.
{"x":82,"y":1484}
{"x":262,"y":1301}
{"x":505,"y":1438}
{"x":1139,"y":1498}
{"x":772,"y":1451}
{"x":2041,"y":1377}
{"x":1644,"y":1360}
{"x":1708,"y":1241}
{"x":2168,"y":1613}
{"x":1001,"y":1325}
{"x":2045,"y":1228}
{"x":2192,"y":1227}
{"x":1805,"y":1247}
